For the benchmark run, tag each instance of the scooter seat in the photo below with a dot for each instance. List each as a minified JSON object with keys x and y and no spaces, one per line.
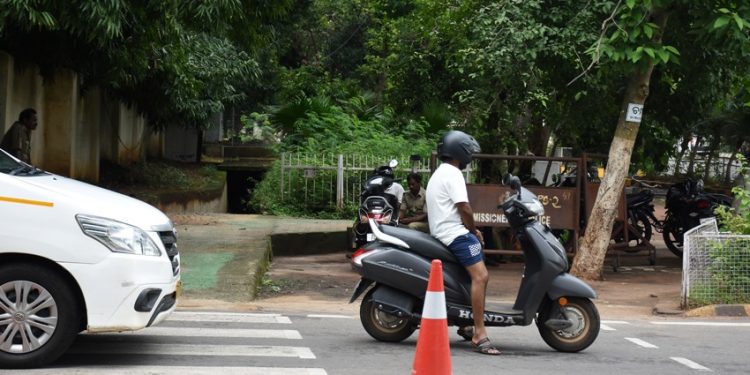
{"x":421,"y":243}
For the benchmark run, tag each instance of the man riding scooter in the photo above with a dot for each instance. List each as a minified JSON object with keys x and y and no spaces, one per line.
{"x":452,"y":222}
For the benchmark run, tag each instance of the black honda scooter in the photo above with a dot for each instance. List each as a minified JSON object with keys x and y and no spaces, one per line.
{"x":395,"y":267}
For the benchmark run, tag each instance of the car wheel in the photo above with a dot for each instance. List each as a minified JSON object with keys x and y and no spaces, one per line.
{"x":39,"y":317}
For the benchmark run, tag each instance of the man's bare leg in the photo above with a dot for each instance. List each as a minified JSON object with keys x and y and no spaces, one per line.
{"x":479,"y":279}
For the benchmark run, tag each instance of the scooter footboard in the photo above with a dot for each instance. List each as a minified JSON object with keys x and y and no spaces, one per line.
{"x":567,"y":285}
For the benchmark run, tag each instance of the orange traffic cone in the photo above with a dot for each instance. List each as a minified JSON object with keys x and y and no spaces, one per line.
{"x":433,"y":355}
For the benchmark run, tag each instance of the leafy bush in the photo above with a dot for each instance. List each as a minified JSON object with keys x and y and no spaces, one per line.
{"x":317,"y":126}
{"x":161,"y":175}
{"x":737,"y":221}
{"x":729,"y":270}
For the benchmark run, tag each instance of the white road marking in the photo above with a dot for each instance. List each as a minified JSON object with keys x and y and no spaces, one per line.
{"x":176,"y":370}
{"x":195,"y":350}
{"x":325,"y":316}
{"x":228,"y":318}
{"x":614,"y":322}
{"x":690,"y":364}
{"x":217,"y":332}
{"x":641,"y":343}
{"x":707,"y":324}
{"x":605,"y":327}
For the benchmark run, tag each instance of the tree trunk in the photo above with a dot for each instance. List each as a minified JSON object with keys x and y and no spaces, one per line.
{"x":589,"y":261}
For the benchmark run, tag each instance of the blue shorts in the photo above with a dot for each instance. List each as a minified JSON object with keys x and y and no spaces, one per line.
{"x":467,"y":249}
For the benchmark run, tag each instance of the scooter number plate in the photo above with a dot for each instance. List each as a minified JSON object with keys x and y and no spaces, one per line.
{"x":370,"y":237}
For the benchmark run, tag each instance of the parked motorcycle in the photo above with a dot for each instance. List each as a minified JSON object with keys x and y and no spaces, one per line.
{"x":379,"y":202}
{"x":687,"y":203}
{"x":640,"y":207}
{"x":395,"y":270}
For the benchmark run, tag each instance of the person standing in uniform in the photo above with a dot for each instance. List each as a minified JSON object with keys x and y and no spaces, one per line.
{"x":17,"y":141}
{"x":451,"y":221}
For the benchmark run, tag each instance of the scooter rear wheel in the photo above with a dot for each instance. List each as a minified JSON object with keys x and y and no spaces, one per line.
{"x":381,"y":325}
{"x":581,"y":335}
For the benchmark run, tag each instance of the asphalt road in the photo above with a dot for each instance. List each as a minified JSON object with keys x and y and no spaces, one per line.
{"x":271,"y":344}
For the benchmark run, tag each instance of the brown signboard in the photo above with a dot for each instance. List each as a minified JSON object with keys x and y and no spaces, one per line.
{"x":561,"y":205}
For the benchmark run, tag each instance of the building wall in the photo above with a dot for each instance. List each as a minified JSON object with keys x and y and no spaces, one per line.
{"x":76,"y":128}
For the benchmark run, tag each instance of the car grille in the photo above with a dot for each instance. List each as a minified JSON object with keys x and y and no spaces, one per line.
{"x":169,"y":239}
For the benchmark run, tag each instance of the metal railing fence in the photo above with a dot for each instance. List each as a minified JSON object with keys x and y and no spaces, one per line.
{"x":335,"y":180}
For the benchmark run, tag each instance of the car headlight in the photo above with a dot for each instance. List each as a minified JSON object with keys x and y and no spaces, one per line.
{"x":535,"y":206}
{"x":118,"y":237}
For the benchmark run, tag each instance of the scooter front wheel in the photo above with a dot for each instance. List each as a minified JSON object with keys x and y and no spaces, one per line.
{"x":580,"y":335}
{"x":381,"y":325}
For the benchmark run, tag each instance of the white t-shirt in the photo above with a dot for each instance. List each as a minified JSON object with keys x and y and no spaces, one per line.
{"x":446,"y":188}
{"x":397,"y":190}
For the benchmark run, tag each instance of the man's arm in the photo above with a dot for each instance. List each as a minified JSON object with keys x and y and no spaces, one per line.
{"x":13,"y":141}
{"x":467,"y":216}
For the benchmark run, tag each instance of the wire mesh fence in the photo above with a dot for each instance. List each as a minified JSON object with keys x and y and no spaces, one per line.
{"x":716,"y":267}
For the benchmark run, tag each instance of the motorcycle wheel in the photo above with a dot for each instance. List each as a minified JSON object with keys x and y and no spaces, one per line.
{"x":576,"y":338}
{"x":673,"y":237}
{"x":381,"y":325}
{"x":641,"y":230}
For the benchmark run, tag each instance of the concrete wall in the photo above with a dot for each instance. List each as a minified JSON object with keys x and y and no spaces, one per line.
{"x":181,"y":144}
{"x":76,"y":128}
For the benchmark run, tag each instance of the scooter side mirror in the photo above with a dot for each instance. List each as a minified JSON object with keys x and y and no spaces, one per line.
{"x":393,"y":163}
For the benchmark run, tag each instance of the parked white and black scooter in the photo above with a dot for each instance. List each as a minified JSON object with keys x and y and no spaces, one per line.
{"x":379,"y":202}
{"x":397,"y":266}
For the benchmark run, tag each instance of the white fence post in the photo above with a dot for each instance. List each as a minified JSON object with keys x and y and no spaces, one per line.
{"x":340,"y":183}
{"x":282,"y":176}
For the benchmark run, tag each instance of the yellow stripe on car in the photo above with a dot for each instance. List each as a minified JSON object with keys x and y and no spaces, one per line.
{"x":26,"y":201}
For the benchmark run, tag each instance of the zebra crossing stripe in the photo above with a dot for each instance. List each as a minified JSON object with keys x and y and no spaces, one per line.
{"x":605,"y":327}
{"x":217,"y":332}
{"x":228,"y":318}
{"x":173,"y":370}
{"x":195,"y":350}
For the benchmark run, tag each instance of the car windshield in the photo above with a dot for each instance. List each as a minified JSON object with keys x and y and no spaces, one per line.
{"x":10,"y":166}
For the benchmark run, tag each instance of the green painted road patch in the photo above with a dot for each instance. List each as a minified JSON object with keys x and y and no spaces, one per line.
{"x":200,"y":271}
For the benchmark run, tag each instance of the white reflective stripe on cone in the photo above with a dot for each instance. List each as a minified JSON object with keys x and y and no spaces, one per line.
{"x":434,"y":306}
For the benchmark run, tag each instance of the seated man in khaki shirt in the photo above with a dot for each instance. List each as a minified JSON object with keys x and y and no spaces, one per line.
{"x":413,"y":209}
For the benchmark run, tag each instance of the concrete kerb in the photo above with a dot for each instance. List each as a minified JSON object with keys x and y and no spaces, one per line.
{"x":735,"y":310}
{"x":263,"y":264}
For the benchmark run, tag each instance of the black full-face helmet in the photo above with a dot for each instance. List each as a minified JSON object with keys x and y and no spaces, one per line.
{"x":458,"y":145}
{"x":384,"y":171}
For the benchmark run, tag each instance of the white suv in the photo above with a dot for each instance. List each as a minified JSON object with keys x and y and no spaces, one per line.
{"x":73,"y":258}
